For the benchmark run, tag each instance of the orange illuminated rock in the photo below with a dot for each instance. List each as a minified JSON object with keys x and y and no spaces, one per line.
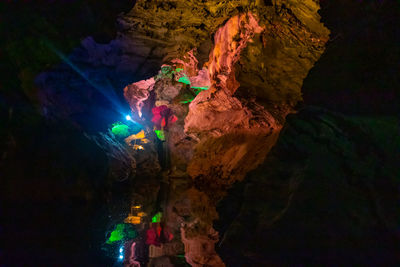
{"x":259,"y":54}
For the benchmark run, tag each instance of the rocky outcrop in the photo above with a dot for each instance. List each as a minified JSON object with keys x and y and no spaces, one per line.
{"x":272,"y":67}
{"x":122,"y":164}
{"x":229,"y":109}
{"x":227,"y":129}
{"x":258,"y":53}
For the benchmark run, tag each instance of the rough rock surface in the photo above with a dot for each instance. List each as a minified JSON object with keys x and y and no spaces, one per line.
{"x":324,"y":195}
{"x":226,"y":131}
{"x":57,"y":180}
{"x":274,"y":66}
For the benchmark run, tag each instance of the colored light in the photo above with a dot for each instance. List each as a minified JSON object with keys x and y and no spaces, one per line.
{"x":121,"y":257}
{"x":120,"y":250}
{"x":160,"y":134}
{"x":121,"y":130}
{"x":198,"y":89}
{"x":128,"y":117}
{"x":122,"y":232}
{"x":117,"y":234}
{"x":156,"y":218}
{"x":132,"y":220}
{"x":184,"y":79}
{"x":139,"y":135}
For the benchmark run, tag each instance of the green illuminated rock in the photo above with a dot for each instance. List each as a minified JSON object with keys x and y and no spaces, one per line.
{"x":160,"y":134}
{"x":156,"y":218}
{"x":120,"y":130}
{"x":184,"y":79}
{"x":122,"y":232}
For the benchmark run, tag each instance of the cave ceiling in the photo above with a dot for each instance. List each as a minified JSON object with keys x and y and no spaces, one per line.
{"x":271,"y":67}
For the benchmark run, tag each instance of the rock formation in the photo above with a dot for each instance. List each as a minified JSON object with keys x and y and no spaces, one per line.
{"x":193,"y":109}
{"x":260,"y":54}
{"x":331,"y":206}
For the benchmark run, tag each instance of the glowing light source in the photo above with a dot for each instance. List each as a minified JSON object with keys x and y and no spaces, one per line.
{"x":138,"y":147}
{"x":128,"y":117}
{"x":121,"y":253}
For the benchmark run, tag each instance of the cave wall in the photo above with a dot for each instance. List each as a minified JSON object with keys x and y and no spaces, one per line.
{"x":224,"y":136}
{"x":324,"y":195}
{"x":358,"y":73}
{"x":147,"y":36}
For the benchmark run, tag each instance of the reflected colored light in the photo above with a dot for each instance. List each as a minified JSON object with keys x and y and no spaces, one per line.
{"x":117,"y":234}
{"x":122,"y":232}
{"x":156,"y":218}
{"x":133,"y":220}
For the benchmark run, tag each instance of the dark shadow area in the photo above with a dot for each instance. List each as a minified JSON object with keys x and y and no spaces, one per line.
{"x":54,"y":187}
{"x":325,"y":196}
{"x":359,"y":71}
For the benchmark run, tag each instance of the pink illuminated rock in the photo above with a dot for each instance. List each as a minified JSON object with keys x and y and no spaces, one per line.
{"x":137,"y":93}
{"x":202,"y":79}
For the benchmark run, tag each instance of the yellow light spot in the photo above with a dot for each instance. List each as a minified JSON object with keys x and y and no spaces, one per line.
{"x":139,"y":135}
{"x":132,"y":219}
{"x":141,"y":214}
{"x":138,"y":147}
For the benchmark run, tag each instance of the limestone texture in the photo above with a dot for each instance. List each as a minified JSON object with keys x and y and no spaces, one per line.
{"x":257,"y":59}
{"x":244,"y":172}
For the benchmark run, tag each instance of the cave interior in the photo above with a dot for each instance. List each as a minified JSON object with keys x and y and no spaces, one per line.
{"x":200,"y":133}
